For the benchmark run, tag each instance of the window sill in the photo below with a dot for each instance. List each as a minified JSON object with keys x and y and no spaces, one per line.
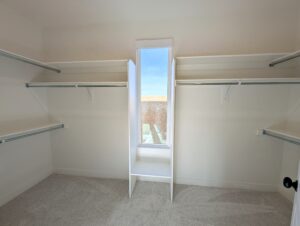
{"x":154,"y":146}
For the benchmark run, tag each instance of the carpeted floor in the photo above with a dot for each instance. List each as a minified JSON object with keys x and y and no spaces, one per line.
{"x":79,"y":201}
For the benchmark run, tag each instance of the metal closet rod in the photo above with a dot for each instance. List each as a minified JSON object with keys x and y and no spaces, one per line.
{"x":29,"y":85}
{"x":239,"y":83}
{"x":28,"y":134}
{"x":269,"y":83}
{"x":285,"y":58}
{"x":208,"y":83}
{"x":281,"y":137}
{"x":27,"y":60}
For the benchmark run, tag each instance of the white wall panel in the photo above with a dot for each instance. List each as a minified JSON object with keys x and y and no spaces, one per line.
{"x":95,"y":141}
{"x":198,"y":27}
{"x":216,"y":142}
{"x":24,"y":162}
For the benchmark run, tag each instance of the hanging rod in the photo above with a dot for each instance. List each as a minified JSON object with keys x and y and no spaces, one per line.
{"x":282,"y":136}
{"x":28,"y":60}
{"x":75,"y":85}
{"x":29,"y":132}
{"x":270,"y":83}
{"x":259,"y":81}
{"x":206,"y":83}
{"x":285,"y":58}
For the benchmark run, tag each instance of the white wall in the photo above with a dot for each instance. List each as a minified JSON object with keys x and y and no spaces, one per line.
{"x":23,"y":162}
{"x":230,"y":154}
{"x":95,"y":142}
{"x":26,"y":161}
{"x":298,"y":35}
{"x":19,"y":34}
{"x":216,"y":143}
{"x":198,"y":28}
{"x":291,"y":153}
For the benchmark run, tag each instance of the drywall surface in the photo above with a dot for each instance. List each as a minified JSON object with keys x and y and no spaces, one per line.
{"x":197,"y":27}
{"x":23,"y":162}
{"x":291,"y":153}
{"x":215,"y":139}
{"x":19,"y":34}
{"x":95,"y":140}
{"x":298,"y":36}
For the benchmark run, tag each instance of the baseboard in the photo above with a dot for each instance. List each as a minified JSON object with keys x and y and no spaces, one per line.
{"x":88,"y":173}
{"x":96,"y":174}
{"x":23,"y":187}
{"x":225,"y":184}
{"x":178,"y":180}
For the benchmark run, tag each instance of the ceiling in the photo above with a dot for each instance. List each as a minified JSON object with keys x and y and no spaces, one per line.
{"x":60,"y":13}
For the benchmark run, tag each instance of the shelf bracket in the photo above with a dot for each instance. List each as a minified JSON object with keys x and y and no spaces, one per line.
{"x":91,"y":94}
{"x":225,"y":96}
{"x":259,"y":132}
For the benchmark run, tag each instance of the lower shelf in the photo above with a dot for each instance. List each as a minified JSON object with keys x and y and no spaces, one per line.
{"x":147,"y":168}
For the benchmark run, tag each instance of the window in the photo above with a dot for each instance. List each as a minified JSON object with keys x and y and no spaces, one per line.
{"x":154,"y":71}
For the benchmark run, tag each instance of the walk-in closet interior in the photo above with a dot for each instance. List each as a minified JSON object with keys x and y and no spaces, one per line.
{"x":134,"y":112}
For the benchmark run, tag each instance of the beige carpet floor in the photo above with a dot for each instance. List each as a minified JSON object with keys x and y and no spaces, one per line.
{"x":79,"y":201}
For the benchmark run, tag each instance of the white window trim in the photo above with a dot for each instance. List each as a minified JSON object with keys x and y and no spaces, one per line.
{"x":154,"y":43}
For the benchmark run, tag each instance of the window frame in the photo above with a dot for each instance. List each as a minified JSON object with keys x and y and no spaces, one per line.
{"x":153,"y":44}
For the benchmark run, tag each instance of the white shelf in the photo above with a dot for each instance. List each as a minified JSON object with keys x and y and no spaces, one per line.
{"x":13,"y":133}
{"x":103,"y":73}
{"x":283,"y":134}
{"x":75,"y":84}
{"x":148,"y":168}
{"x":92,"y":66}
{"x":28,"y":60}
{"x":246,"y":81}
{"x":232,"y":68}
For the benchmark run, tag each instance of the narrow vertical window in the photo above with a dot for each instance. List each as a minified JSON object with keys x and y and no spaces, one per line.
{"x":154,"y":89}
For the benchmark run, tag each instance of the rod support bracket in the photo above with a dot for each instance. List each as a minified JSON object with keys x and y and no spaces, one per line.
{"x":90,"y":93}
{"x":225,"y":95}
{"x":259,"y":132}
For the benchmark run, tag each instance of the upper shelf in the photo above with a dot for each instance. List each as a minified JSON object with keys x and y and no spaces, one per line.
{"x":107,"y":73}
{"x":285,"y":58}
{"x":233,"y":69}
{"x":28,"y":60}
{"x":10,"y":134}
